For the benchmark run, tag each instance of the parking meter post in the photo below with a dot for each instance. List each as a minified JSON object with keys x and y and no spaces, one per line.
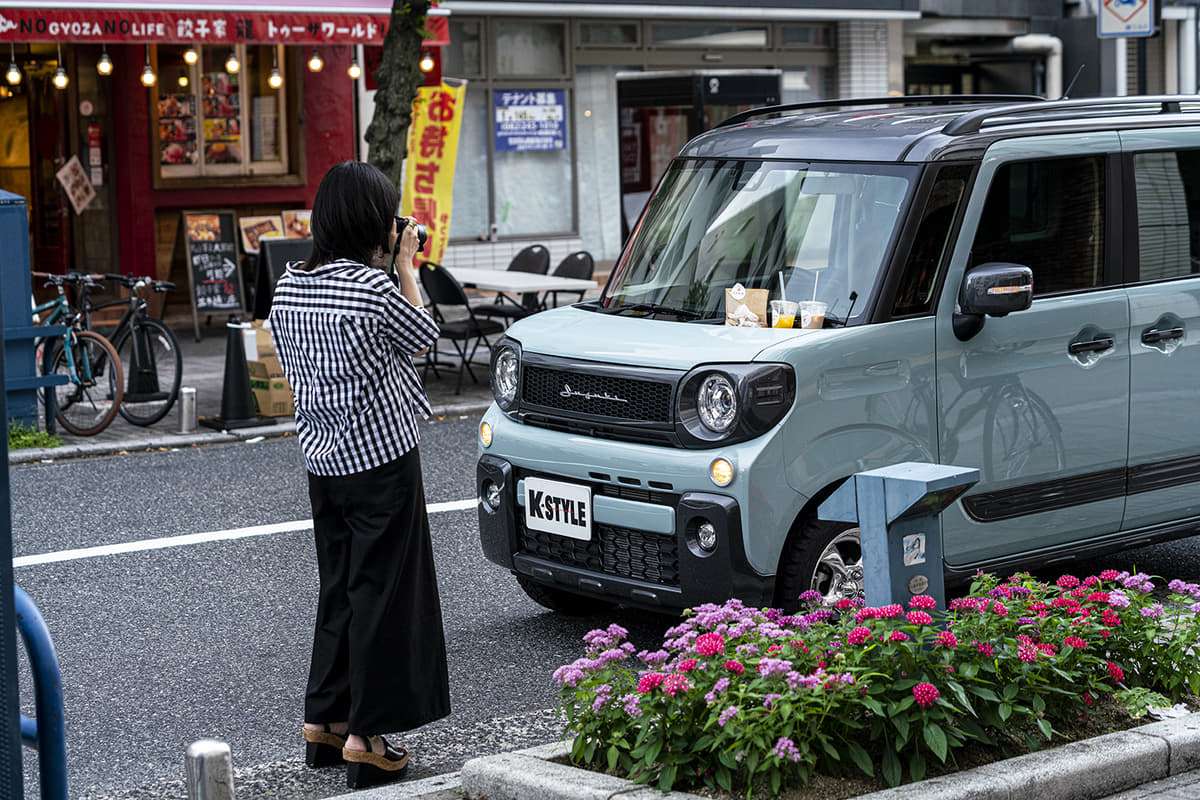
{"x":896,"y":509}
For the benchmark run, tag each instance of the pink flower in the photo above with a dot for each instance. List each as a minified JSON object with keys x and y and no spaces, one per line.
{"x":727,"y":715}
{"x":735,"y":667}
{"x":926,"y":694}
{"x":985,"y":648}
{"x":948,"y":639}
{"x":649,"y":682}
{"x":1067,"y":582}
{"x":923,"y":601}
{"x":858,"y":635}
{"x":918,"y":618}
{"x":1109,"y":575}
{"x":1075,"y":641}
{"x":785,"y":750}
{"x":1046,"y":648}
{"x":1027,"y":654}
{"x":673,"y":684}
{"x":890,"y":611}
{"x":1098,"y":597}
{"x":999,"y":609}
{"x":1116,"y":672}
{"x":688,"y":664}
{"x":710,"y":644}
{"x":898,"y":636}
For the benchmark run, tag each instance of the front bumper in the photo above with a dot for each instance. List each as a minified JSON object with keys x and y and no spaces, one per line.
{"x":643,"y":552}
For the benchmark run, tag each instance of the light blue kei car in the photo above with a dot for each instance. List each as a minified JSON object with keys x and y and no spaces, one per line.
{"x":1009,"y":284}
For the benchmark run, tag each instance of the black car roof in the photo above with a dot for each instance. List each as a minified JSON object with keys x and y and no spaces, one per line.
{"x":920,"y":128}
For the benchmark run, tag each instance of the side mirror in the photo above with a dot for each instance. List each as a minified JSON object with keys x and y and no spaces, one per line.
{"x":994,"y":290}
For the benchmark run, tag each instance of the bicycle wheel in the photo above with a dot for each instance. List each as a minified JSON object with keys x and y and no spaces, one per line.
{"x":88,"y":402}
{"x":1023,"y":439}
{"x":153,"y":368}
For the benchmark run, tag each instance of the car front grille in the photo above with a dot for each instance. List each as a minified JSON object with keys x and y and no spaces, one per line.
{"x":622,"y":552}
{"x":576,"y":392}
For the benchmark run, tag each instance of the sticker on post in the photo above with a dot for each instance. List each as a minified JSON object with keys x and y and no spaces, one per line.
{"x":914,"y":549}
{"x":564,"y":509}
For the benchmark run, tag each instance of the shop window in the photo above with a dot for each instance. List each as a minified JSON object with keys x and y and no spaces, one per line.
{"x":214,"y":121}
{"x":526,"y":48}
{"x":806,"y":35}
{"x":608,"y":34}
{"x":463,"y":57}
{"x":678,"y":34}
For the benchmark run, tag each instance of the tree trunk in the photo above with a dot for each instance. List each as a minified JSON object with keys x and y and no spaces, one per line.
{"x":398,"y":78}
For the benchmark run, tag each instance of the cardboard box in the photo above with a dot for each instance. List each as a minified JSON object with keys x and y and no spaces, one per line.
{"x":256,"y":337}
{"x":272,"y":394}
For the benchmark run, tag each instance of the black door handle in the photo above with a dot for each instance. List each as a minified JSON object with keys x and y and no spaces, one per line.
{"x":1091,"y":346}
{"x":1152,"y":336}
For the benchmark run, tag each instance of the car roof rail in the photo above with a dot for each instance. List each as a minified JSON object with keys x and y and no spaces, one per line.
{"x":973,"y":121}
{"x":929,"y":99}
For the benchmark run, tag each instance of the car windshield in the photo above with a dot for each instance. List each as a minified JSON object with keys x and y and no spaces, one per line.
{"x":802,"y":231}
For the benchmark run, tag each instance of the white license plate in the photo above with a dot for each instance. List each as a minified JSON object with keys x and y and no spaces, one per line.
{"x":564,"y":509}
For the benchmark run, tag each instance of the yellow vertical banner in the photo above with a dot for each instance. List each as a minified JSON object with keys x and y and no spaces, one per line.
{"x":429,"y":171}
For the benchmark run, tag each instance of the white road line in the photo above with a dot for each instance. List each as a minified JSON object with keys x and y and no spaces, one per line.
{"x":202,"y":538}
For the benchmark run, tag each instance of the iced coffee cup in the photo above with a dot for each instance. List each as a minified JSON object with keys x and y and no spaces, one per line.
{"x":783,"y":314}
{"x":812,"y":314}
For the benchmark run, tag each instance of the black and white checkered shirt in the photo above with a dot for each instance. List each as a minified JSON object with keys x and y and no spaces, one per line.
{"x":344,"y":334}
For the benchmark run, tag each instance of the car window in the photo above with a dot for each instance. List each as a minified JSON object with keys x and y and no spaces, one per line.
{"x":1049,"y":216}
{"x":914,"y":295}
{"x":1168,"y":209}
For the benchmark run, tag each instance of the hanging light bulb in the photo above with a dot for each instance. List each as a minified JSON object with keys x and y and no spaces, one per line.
{"x":190,"y":56}
{"x":315,"y":63}
{"x":275,"y":80}
{"x":104,"y":66}
{"x":355,"y":71}
{"x":232,"y":64}
{"x":183,"y":79}
{"x":148,"y":76}
{"x":426,"y":63}
{"x":14,"y":72}
{"x":60,"y":75}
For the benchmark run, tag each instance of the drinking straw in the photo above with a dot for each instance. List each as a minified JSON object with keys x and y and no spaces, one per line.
{"x":782,"y":293}
{"x":816,"y":277}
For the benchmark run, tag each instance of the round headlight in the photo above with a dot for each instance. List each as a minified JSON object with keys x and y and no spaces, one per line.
{"x":717,"y":404}
{"x":505,"y":369}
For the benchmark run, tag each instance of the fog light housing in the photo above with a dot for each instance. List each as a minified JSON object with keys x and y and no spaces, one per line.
{"x":706,"y":536}
{"x":485,"y":434}
{"x":491,"y":494}
{"x":721,"y":472}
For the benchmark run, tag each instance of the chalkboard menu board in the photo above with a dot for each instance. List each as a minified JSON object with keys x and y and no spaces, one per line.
{"x":212,"y":263}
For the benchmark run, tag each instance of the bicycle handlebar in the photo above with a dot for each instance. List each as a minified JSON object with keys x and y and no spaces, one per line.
{"x":133,"y":281}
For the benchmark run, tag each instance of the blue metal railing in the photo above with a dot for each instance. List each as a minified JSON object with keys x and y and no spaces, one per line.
{"x":46,"y":733}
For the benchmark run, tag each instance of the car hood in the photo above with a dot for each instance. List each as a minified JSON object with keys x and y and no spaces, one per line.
{"x":619,"y":339}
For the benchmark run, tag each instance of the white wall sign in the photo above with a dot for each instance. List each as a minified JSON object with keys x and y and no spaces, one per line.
{"x":1125,"y":18}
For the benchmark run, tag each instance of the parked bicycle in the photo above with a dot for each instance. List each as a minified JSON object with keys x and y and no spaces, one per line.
{"x":148,"y":350}
{"x":88,"y":401}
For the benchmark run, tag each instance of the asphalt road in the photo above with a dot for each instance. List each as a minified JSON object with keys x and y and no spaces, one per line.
{"x":164,"y":646}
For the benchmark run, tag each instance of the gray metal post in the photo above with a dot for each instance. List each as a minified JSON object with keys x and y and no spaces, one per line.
{"x":897,"y":509}
{"x":187,"y":409}
{"x":209,"y":770}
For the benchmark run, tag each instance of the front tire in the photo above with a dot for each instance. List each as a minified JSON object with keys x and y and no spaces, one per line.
{"x":572,"y":605}
{"x":825,"y":557}
{"x":88,"y":402}
{"x":151,"y":391}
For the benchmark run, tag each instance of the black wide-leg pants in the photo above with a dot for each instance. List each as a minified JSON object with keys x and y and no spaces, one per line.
{"x":379,"y":651}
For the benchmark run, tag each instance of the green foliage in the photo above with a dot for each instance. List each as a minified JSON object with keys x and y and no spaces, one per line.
{"x":21,"y":436}
{"x":755,"y":700}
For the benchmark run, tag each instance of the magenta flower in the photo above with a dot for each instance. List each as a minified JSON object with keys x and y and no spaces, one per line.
{"x":898,"y":636}
{"x":858,"y":635}
{"x":890,"y":611}
{"x":947,"y":639}
{"x":926,"y":694}
{"x":923,"y":601}
{"x":1116,"y":672}
{"x":785,"y":750}
{"x":710,"y":644}
{"x":735,"y":667}
{"x":649,"y":682}
{"x":918,"y":618}
{"x":1109,"y":575}
{"x":687,"y":665}
{"x":985,"y":648}
{"x":1027,"y":654}
{"x":673,"y":684}
{"x":999,"y":609}
{"x":1067,"y":582}
{"x":1074,"y":641}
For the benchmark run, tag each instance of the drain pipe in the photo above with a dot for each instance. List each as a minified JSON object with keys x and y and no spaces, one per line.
{"x":1052,"y":46}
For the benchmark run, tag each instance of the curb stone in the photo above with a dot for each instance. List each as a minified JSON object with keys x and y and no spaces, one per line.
{"x":1085,"y":770}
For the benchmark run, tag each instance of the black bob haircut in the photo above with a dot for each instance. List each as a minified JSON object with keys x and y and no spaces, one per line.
{"x":352,"y":214}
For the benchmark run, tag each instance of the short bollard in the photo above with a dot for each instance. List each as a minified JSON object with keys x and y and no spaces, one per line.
{"x":187,"y":409}
{"x":897,"y":509}
{"x":209,"y":770}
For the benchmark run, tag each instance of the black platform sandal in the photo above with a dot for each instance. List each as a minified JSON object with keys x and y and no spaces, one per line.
{"x":323,"y":748}
{"x":367,"y":768}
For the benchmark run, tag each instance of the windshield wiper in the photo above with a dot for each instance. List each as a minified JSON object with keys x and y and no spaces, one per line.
{"x":681,"y":313}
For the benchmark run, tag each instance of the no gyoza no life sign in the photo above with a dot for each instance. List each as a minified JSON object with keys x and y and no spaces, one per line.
{"x":530,"y":119}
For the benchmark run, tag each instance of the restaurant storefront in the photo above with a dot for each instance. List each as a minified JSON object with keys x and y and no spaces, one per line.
{"x":175,"y":108}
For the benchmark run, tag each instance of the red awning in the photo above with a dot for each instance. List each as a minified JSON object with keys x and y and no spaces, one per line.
{"x":303,"y":22}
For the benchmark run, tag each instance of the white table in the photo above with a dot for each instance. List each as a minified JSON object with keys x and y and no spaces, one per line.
{"x":510,"y":282}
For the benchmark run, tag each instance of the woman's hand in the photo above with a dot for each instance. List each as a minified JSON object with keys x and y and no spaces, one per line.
{"x":408,"y":245}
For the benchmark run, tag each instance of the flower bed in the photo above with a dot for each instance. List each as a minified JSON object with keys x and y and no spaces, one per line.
{"x":761,"y":700}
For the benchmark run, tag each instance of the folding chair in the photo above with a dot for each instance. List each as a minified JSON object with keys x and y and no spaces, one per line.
{"x":535,"y":259}
{"x":466,"y":334}
{"x":579,"y":264}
